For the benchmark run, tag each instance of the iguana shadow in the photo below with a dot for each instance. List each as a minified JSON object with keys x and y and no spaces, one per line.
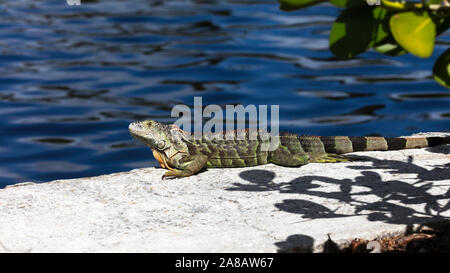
{"x":393,"y":196}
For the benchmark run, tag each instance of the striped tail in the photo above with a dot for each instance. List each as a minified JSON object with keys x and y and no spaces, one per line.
{"x":344,"y":144}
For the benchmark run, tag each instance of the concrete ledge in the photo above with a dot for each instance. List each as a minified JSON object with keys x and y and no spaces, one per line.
{"x":259,"y":209}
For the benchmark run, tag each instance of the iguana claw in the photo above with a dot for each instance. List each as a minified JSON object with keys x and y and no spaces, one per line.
{"x":170,"y":175}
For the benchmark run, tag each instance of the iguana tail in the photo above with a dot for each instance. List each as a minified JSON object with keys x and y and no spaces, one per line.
{"x":344,"y":144}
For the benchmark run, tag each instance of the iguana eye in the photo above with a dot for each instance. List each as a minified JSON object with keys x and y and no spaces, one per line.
{"x":161,"y":144}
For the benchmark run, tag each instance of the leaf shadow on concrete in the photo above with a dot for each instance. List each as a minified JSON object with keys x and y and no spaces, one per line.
{"x":394,"y":196}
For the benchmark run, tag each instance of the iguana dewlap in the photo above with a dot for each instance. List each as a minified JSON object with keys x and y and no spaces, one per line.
{"x":185,"y":155}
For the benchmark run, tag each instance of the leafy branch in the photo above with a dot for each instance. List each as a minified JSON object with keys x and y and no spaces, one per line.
{"x":390,"y":28}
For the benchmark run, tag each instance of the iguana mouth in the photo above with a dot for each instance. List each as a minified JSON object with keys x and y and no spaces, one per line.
{"x":135,"y":128}
{"x":137,"y":136}
{"x":137,"y":131}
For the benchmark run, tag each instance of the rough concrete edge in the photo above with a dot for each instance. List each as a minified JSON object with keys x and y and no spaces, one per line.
{"x":57,"y":181}
{"x":316,"y":247}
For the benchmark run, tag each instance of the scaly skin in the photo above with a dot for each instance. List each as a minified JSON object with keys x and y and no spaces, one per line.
{"x":184,"y":155}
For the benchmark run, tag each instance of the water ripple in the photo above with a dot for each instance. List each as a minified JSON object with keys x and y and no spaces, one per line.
{"x":72,"y":78}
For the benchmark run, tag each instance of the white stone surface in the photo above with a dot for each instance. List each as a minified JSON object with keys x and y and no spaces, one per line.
{"x":259,"y":209}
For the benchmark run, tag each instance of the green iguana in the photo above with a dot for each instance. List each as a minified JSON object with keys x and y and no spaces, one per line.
{"x":185,"y":155}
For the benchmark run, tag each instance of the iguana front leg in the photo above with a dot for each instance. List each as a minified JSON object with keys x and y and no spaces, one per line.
{"x":194,"y":164}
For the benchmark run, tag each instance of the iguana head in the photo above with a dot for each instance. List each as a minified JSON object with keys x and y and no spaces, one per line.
{"x":156,"y":135}
{"x":166,"y":141}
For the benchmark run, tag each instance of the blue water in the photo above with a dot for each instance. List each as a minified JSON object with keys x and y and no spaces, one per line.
{"x":73,"y":77}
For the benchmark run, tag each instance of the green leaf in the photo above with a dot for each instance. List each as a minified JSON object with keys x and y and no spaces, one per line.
{"x":289,"y":5}
{"x":381,"y":18}
{"x":434,"y":1}
{"x":351,"y":33}
{"x":441,"y":69}
{"x":394,"y":5}
{"x":348,"y":3}
{"x":357,"y":29}
{"x":384,"y":42}
{"x":415,"y":32}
